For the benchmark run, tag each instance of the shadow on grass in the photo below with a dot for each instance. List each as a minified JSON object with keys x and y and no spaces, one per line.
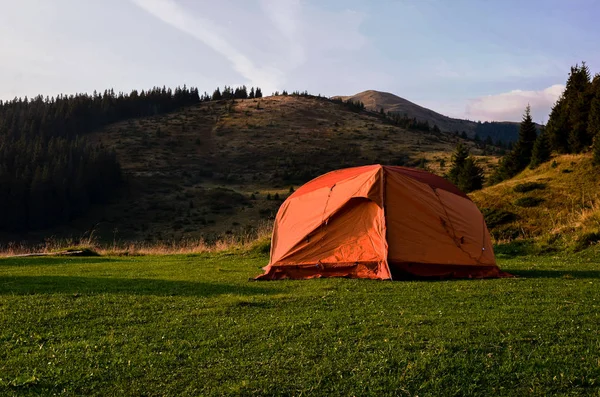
{"x":23,"y":285}
{"x":54,"y":260}
{"x":556,"y":273}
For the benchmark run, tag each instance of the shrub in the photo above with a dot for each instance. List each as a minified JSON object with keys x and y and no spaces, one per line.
{"x":506,"y":232}
{"x":496,"y":217}
{"x":586,"y":240}
{"x":514,"y":248}
{"x":261,"y":247}
{"x":529,"y":186}
{"x":528,"y":201}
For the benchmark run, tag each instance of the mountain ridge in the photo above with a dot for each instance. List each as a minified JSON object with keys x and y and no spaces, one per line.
{"x":506,"y":131}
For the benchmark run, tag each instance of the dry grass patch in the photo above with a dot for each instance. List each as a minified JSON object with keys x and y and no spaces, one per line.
{"x":546,"y":201}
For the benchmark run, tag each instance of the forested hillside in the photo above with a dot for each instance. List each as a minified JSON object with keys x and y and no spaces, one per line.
{"x":222,"y":167}
{"x":573,"y":127}
{"x":49,"y":173}
{"x":168,"y":164}
{"x":547,"y":185}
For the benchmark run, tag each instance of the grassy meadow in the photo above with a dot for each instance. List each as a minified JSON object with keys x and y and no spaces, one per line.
{"x":188,"y":325}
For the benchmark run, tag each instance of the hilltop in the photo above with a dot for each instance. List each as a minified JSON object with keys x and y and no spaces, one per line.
{"x":223,"y":167}
{"x":376,"y":100}
{"x":505,"y":131}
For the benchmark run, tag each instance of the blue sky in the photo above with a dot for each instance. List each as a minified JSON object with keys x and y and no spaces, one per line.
{"x":477,"y":59}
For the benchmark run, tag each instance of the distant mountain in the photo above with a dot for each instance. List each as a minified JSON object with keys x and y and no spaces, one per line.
{"x":506,"y":131}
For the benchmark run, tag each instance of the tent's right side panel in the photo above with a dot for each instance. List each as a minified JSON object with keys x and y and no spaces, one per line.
{"x":420,"y":234}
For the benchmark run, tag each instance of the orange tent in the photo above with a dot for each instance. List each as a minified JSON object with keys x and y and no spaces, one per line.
{"x":380,"y":222}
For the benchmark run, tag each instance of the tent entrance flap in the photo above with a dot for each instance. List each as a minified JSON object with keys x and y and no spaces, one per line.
{"x":352,"y":239}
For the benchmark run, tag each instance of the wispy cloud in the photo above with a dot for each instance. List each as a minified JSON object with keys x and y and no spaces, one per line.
{"x":291,"y":44}
{"x":286,"y":15}
{"x":206,"y":31}
{"x":511,"y":105}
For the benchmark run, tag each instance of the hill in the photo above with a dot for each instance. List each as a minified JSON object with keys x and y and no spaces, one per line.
{"x":221,"y":167}
{"x":505,"y":131}
{"x":554,"y":205}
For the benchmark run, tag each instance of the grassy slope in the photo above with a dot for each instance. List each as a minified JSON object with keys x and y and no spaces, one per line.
{"x":194,"y":325}
{"x":191,"y":173}
{"x":568,"y":204}
{"x":375,"y":100}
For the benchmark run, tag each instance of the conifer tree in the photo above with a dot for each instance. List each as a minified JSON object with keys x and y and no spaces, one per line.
{"x":520,"y":156}
{"x":251,"y":94}
{"x":464,"y":172}
{"x":558,"y":126}
{"x":541,"y":150}
{"x":470,"y":177}
{"x":459,"y":157}
{"x":567,"y":125}
{"x":527,"y":137}
{"x":596,"y":150}
{"x":216,"y":96}
{"x":258,"y":93}
{"x":593,"y":124}
{"x":579,"y":104}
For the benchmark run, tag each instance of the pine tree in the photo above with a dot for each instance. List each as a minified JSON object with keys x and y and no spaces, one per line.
{"x":470,"y":177}
{"x":216,"y":96}
{"x":251,"y":94}
{"x":240,"y":93}
{"x":593,"y":124}
{"x":459,"y":158}
{"x":596,"y":150}
{"x":258,"y":93}
{"x":567,"y":125}
{"x":578,"y":91}
{"x":520,"y":155}
{"x":558,"y":126}
{"x":527,"y":137}
{"x":541,"y":150}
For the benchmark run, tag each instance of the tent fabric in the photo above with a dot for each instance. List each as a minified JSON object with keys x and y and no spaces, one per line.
{"x":380,"y":222}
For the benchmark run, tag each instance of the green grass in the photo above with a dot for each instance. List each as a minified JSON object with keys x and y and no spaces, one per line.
{"x":195,"y":325}
{"x":545,"y":203}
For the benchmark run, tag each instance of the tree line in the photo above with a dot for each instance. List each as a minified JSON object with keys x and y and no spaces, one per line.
{"x":573,"y":127}
{"x":49,"y":172}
